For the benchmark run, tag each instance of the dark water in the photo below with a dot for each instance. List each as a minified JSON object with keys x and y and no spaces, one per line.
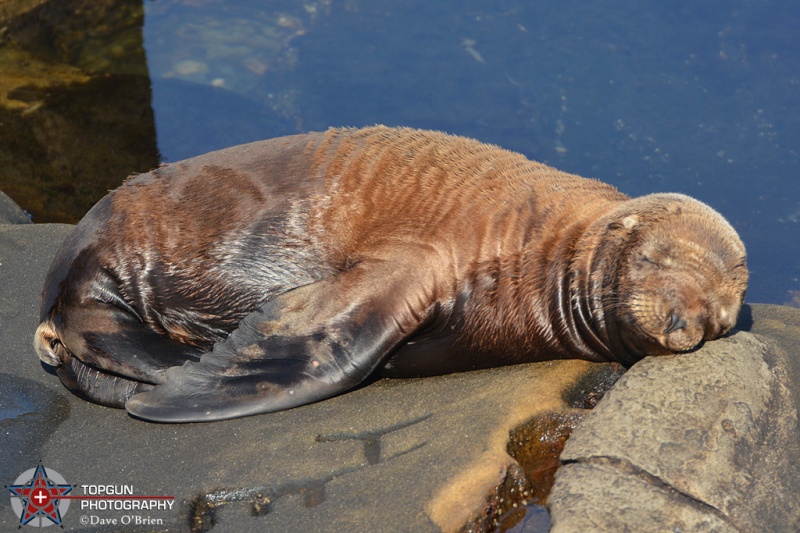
{"x":693,"y":97}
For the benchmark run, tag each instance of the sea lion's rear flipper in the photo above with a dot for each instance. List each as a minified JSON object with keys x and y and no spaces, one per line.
{"x":306,"y":345}
{"x":103,"y":352}
{"x":97,"y":385}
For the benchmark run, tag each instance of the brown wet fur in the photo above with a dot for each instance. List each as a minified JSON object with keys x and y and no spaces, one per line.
{"x":505,"y":260}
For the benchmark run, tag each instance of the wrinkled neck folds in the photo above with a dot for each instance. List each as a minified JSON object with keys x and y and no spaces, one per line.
{"x":586,"y":280}
{"x":547,"y":301}
{"x":597,"y":299}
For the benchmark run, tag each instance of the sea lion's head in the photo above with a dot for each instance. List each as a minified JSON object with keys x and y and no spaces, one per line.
{"x":674,"y":275}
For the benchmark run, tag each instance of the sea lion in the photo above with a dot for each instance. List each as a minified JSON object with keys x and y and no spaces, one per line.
{"x":278,"y":273}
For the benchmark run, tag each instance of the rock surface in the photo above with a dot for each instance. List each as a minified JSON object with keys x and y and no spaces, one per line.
{"x":10,"y":212}
{"x":702,"y":442}
{"x":698,"y":442}
{"x":74,"y":103}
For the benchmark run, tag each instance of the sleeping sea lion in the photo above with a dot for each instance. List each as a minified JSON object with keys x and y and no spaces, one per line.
{"x":278,"y":273}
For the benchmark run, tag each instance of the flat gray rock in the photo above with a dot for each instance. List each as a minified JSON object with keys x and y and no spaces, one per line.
{"x":706,"y":441}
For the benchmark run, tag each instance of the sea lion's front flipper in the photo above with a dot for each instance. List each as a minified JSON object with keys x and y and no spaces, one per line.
{"x":308,"y":344}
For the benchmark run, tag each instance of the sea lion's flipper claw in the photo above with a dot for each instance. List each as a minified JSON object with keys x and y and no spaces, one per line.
{"x":306,"y":345}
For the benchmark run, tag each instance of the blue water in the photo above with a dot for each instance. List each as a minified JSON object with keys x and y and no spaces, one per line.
{"x":694,"y":97}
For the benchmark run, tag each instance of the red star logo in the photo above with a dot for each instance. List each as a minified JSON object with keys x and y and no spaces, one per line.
{"x":40,"y":497}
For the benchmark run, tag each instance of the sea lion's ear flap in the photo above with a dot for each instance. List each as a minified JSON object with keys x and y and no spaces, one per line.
{"x":306,"y":345}
{"x":626,"y":223}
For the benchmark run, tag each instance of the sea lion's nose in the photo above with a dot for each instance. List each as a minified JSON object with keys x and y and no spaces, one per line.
{"x":675,"y":322}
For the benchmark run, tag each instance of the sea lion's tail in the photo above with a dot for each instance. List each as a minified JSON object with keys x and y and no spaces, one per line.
{"x":48,"y":345}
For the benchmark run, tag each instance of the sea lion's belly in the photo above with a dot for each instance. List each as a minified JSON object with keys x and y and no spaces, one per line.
{"x":439,"y":355}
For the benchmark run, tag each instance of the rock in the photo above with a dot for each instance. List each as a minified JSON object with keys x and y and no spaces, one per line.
{"x":74,"y":103}
{"x":10,"y":212}
{"x":697,"y":442}
{"x":11,"y":9}
{"x":416,"y":454}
